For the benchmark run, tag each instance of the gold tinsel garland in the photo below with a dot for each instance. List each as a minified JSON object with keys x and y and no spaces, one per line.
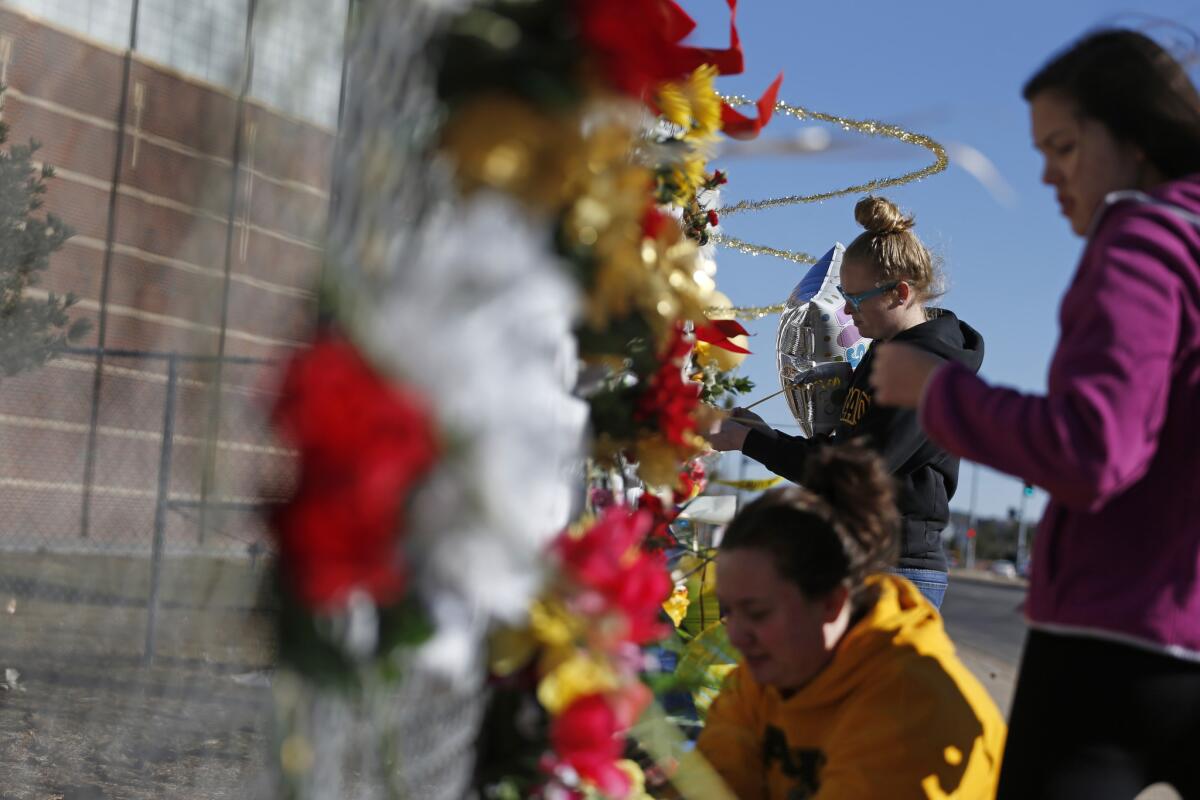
{"x":869,"y":127}
{"x":749,"y":313}
{"x":795,"y":256}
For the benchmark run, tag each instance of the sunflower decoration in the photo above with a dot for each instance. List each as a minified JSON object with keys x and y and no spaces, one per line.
{"x":691,"y":111}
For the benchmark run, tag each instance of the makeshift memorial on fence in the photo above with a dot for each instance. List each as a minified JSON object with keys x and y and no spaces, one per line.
{"x":481,"y":563}
{"x":503,"y":209}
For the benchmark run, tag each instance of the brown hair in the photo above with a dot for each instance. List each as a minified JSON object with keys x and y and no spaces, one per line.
{"x":891,"y":247}
{"x":839,"y":527}
{"x":1130,"y":84}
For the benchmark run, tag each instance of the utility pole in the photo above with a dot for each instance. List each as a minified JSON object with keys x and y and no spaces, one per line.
{"x":1026,"y":493}
{"x":741,"y":473}
{"x":970,"y":548}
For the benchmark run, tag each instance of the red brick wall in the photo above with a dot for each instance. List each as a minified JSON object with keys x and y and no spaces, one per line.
{"x":165,"y":286}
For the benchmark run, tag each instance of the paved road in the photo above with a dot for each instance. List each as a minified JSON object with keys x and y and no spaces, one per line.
{"x":986,"y":617}
{"x":985,"y":621}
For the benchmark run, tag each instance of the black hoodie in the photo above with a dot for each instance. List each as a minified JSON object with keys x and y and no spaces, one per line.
{"x":926,"y":475}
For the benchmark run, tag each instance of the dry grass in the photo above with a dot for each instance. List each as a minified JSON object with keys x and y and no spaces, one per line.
{"x":86,"y":720}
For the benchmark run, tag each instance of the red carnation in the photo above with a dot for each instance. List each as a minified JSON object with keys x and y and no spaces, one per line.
{"x":363,"y":444}
{"x":668,"y":402}
{"x":608,"y":560}
{"x":597,"y":559}
{"x":643,"y":589}
{"x":660,"y":535}
{"x":654,"y":222}
{"x":586,"y":737}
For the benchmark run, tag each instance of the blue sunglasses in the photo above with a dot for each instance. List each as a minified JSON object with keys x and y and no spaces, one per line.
{"x":856,"y":300}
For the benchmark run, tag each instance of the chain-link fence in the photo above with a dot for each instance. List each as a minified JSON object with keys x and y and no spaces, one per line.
{"x":172,"y":466}
{"x":192,"y":143}
{"x":173,"y":469}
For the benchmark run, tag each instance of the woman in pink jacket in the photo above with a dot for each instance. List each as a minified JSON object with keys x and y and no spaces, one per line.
{"x":1108,"y":697}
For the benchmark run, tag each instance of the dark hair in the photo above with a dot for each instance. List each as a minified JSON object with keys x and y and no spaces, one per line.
{"x":1135,"y":88}
{"x":840,"y":525}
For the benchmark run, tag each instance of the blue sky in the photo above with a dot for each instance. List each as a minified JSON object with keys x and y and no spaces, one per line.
{"x":949,"y":69}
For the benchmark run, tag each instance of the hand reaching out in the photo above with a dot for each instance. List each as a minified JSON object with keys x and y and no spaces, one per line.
{"x":729,"y":433}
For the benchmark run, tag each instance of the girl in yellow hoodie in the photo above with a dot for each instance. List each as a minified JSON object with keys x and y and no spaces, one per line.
{"x":848,"y":686}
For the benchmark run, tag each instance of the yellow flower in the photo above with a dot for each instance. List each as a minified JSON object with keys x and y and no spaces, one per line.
{"x":637,"y":780}
{"x":676,"y":605}
{"x":701,"y":582}
{"x":552,"y":624}
{"x":509,"y":649}
{"x":658,"y":461}
{"x":693,"y":105}
{"x":575,"y":677}
{"x":684,"y":175}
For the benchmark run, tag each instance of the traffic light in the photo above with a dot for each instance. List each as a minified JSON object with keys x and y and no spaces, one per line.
{"x":1029,"y":490}
{"x":970,"y":533}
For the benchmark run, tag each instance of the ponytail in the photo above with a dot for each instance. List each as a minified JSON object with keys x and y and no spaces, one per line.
{"x":839,"y":527}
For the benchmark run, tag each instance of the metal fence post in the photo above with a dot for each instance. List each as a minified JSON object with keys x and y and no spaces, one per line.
{"x":212,"y":432}
{"x":160,"y":507}
{"x":89,"y":455}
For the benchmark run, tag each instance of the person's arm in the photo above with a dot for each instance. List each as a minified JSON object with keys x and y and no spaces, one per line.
{"x":782,"y":454}
{"x":730,"y":740}
{"x":1096,"y":431}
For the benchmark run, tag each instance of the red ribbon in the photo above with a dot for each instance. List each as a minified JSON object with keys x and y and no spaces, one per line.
{"x":720,"y":332}
{"x":648,"y":52}
{"x":729,"y":61}
{"x":738,"y":126}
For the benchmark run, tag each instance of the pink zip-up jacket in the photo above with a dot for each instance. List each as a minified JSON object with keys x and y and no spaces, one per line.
{"x":1116,"y":441}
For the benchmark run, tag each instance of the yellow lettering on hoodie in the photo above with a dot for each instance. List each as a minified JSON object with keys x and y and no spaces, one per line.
{"x":895,"y":714}
{"x":856,"y":405}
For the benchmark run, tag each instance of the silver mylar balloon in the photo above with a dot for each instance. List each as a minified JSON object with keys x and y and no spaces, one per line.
{"x":818,"y":347}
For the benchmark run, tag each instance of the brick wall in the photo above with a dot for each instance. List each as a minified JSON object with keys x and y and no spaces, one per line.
{"x":175,"y":238}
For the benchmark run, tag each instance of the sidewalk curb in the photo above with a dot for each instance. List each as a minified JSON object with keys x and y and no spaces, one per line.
{"x":980,"y":576}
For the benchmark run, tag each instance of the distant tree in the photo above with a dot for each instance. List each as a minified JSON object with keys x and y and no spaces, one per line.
{"x":996,"y":539}
{"x":32,"y":330}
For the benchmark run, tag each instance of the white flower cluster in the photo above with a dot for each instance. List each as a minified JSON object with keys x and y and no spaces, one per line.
{"x":479,"y":320}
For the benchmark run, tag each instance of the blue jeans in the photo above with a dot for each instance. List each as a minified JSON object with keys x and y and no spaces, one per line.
{"x":930,"y":582}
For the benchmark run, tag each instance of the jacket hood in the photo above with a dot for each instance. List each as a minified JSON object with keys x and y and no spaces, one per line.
{"x":900,"y":617}
{"x":1184,"y":192}
{"x":945,"y":335}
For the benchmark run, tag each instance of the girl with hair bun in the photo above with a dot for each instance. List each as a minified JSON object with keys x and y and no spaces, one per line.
{"x":1108,"y":696}
{"x":888,"y":277}
{"x":848,"y":686}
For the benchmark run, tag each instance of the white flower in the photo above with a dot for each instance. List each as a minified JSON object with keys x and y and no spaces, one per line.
{"x":478,"y":318}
